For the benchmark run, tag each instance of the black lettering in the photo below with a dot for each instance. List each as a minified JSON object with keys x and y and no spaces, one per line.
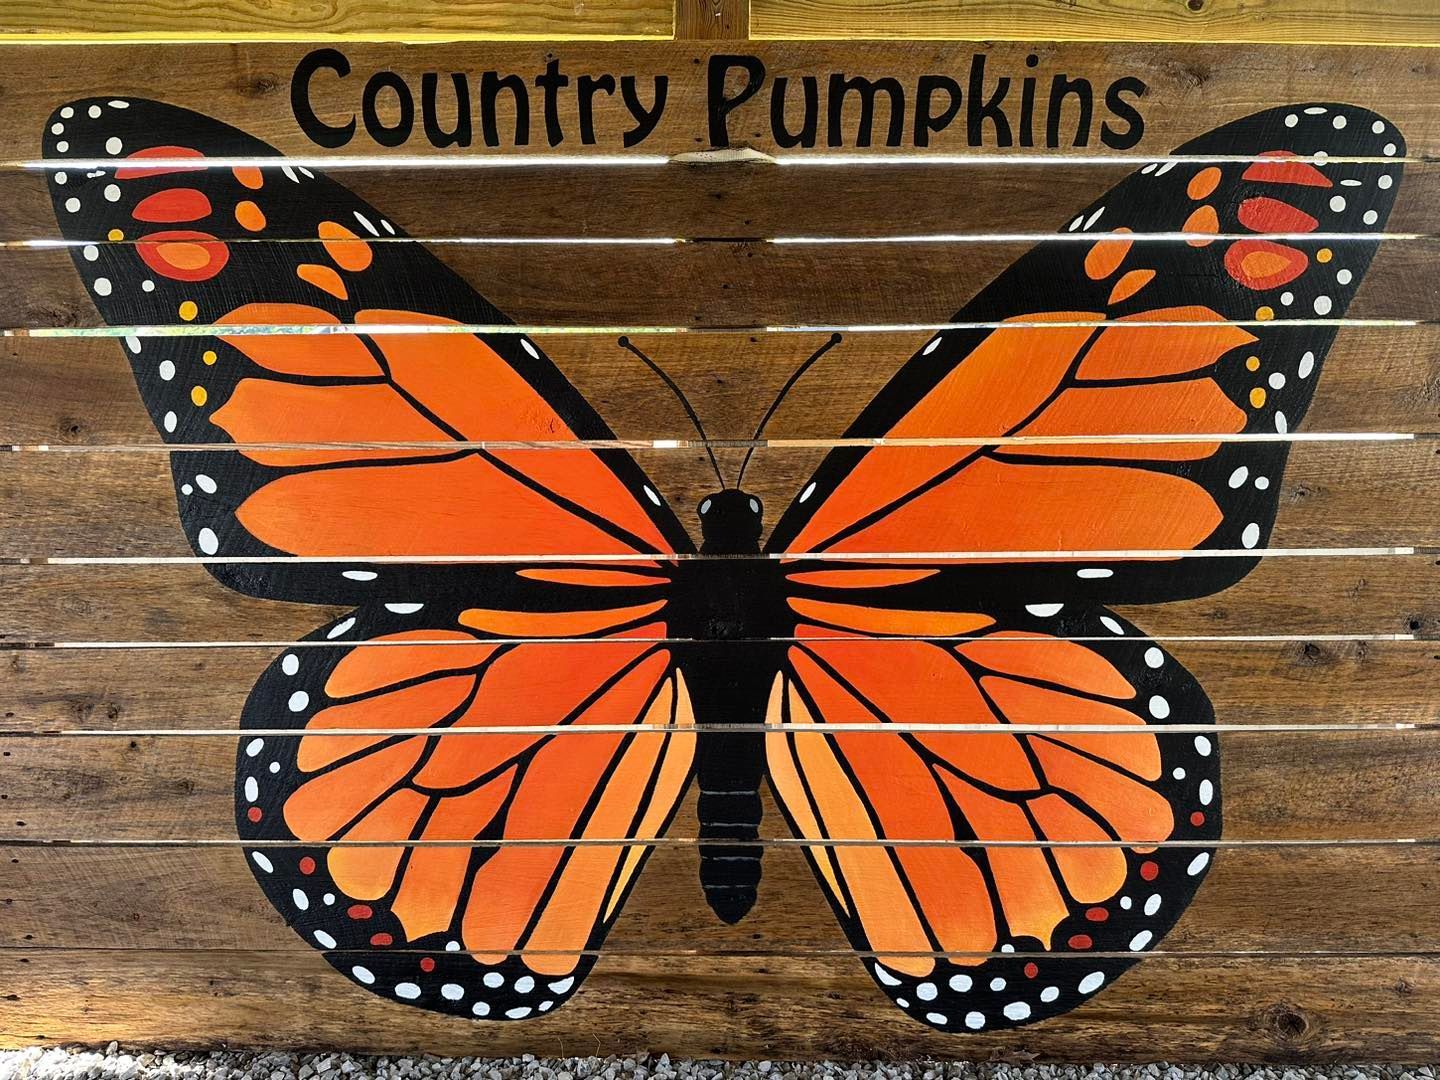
{"x":319,"y":132}
{"x":1062,"y":87}
{"x":645,"y":119}
{"x":490,"y":86}
{"x":1027,"y":104}
{"x":397,"y":134}
{"x":980,"y":108}
{"x":835,"y":104}
{"x":552,"y":82}
{"x":1123,"y":110}
{"x":810,"y":122}
{"x":926,"y":120}
{"x":459,"y":135}
{"x":718,"y":105}
{"x":586,"y":87}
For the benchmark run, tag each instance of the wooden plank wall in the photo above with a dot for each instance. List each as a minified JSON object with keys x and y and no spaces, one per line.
{"x":127,"y":908}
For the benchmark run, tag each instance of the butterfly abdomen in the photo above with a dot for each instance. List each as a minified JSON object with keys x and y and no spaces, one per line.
{"x":729,"y":768}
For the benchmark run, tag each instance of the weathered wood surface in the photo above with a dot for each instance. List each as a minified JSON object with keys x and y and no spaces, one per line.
{"x":725,"y":284}
{"x":1190,"y":88}
{"x":1206,"y":1009}
{"x":732,"y":200}
{"x":1277,"y":785}
{"x":1291,"y":597}
{"x":1249,"y":682}
{"x":1403,"y":22}
{"x":232,"y":20}
{"x":80,"y":392}
{"x":135,"y":899}
{"x":122,"y":503}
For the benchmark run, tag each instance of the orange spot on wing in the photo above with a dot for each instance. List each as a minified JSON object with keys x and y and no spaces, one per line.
{"x":175,"y":204}
{"x":1105,"y":257}
{"x":877,"y":620}
{"x":322,"y":277}
{"x":250,"y":216}
{"x":1202,"y":219}
{"x":249,"y":176}
{"x":347,"y":249}
{"x":1130,"y":284}
{"x":1203,"y":183}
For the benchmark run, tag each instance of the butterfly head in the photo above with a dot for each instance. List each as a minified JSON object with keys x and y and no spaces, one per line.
{"x":730,"y":522}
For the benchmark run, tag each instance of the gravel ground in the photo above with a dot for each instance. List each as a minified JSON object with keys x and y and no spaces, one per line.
{"x":115,"y":1064}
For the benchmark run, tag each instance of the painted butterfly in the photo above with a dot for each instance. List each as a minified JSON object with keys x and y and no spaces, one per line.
{"x":599,"y":616}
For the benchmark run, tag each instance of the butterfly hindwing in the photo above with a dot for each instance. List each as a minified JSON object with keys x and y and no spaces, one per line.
{"x":923,"y":914}
{"x":1212,"y":334}
{"x":460,"y":915}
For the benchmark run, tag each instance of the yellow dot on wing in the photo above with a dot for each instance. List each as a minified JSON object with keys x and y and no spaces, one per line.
{"x":188,"y":310}
{"x":209,"y":356}
{"x":199,"y":396}
{"x":1265,"y":314}
{"x":115,"y":234}
{"x":1257,"y":396}
{"x":1324,"y":255}
{"x":1252,"y":363}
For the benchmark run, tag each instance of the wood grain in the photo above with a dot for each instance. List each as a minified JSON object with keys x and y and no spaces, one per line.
{"x":1277,"y":786}
{"x":1248,"y":682}
{"x":728,"y":200}
{"x":81,"y":392}
{"x":1291,"y":1010}
{"x":1190,"y":88}
{"x":1401,"y":22}
{"x":255,"y":20}
{"x":732,"y":285}
{"x":123,"y":503}
{"x":87,"y":898}
{"x":1337,"y":595}
{"x":712,"y":20}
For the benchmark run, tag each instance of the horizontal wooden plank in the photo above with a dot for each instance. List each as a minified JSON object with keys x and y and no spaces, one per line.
{"x":81,"y":392}
{"x":123,"y":503}
{"x":720,"y":285}
{"x":1289,"y":597}
{"x":723,"y":199}
{"x":1402,"y":22}
{"x":252,"y":20}
{"x":1277,"y":786}
{"x":135,"y":899}
{"x":1248,"y":682}
{"x":1249,"y":1009}
{"x":1188,"y":89}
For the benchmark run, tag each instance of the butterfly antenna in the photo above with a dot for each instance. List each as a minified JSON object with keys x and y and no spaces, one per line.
{"x":626,"y":343}
{"x":789,"y":384}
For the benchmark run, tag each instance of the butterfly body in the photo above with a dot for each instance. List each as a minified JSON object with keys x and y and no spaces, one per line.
{"x":737,"y":600}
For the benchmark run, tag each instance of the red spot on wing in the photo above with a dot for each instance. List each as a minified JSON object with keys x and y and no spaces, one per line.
{"x":1286,"y":172}
{"x":1264,"y":264}
{"x":176,"y":204}
{"x":131,"y":172}
{"x":1262,"y":214}
{"x":184,"y":255}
